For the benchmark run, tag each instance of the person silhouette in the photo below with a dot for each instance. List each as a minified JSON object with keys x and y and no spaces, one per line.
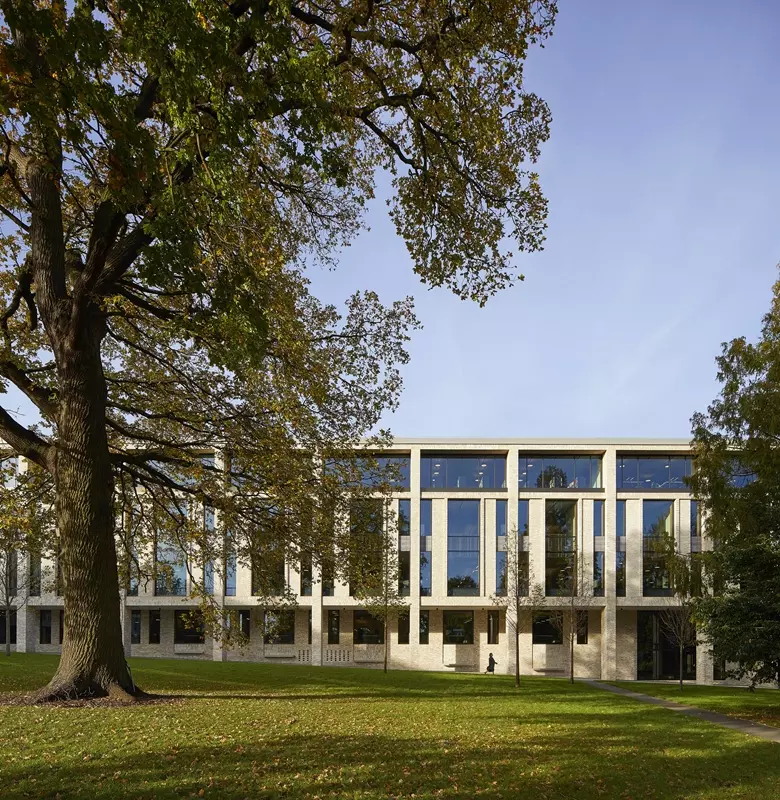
{"x":491,"y":667}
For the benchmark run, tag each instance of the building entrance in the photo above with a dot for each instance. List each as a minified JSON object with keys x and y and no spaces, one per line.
{"x":657,"y":658}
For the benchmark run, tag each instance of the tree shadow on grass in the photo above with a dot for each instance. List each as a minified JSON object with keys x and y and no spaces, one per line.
{"x":636,"y":754}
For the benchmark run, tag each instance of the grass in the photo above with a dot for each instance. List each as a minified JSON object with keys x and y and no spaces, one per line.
{"x":761,"y":705}
{"x":258,"y":731}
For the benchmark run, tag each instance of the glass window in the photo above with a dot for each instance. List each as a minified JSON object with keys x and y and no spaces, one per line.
{"x":62,"y":624}
{"x":372,"y":471}
{"x":154,"y":627}
{"x":463,"y":548}
{"x":425,"y":626}
{"x":695,"y":520}
{"x":501,"y":575}
{"x":306,"y":575}
{"x":598,"y":574}
{"x":463,"y":472}
{"x":45,"y":626}
{"x":560,"y":541}
{"x":230,"y":574}
{"x":279,"y":627}
{"x":11,"y":582}
{"x":245,"y":622}
{"x":208,"y":577}
{"x":582,"y":627}
{"x":34,"y":581}
{"x":547,"y":629}
{"x":426,"y":531}
{"x":188,"y":627}
{"x":653,"y":472}
{"x":493,"y":621}
{"x":403,"y":628}
{"x":404,"y":517}
{"x":523,"y":574}
{"x":620,"y":574}
{"x":404,"y":573}
{"x":171,"y":570}
{"x":657,"y":526}
{"x":334,"y":623}
{"x":11,"y":627}
{"x":309,"y":625}
{"x":458,"y":627}
{"x":522,"y":517}
{"x":620,"y":518}
{"x":501,"y":517}
{"x":135,"y":626}
{"x":501,"y":525}
{"x":598,"y":518}
{"x":367,"y":629}
{"x":366,"y":524}
{"x":559,"y":472}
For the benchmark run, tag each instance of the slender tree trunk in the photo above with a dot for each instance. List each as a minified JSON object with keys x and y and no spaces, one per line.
{"x":93,"y":660}
{"x":517,"y":648}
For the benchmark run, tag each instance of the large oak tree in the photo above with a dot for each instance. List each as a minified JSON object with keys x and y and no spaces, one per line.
{"x":167,"y":171}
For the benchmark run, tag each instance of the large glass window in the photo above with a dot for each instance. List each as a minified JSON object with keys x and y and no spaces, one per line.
{"x":45,"y":626}
{"x":279,"y":627}
{"x":306,"y":575}
{"x":171,"y":570}
{"x":657,"y":516}
{"x":559,"y":472}
{"x":11,"y":627}
{"x":334,"y":622}
{"x":458,"y":627}
{"x":425,"y":626}
{"x":426,"y":532}
{"x":462,"y":472}
{"x":34,"y":581}
{"x":695,"y":520}
{"x":188,"y":627}
{"x":367,"y":629}
{"x":366,"y":520}
{"x":547,"y":629}
{"x":598,"y":574}
{"x":522,"y":517}
{"x":561,"y":540}
{"x":463,"y":548}
{"x":135,"y":626}
{"x":653,"y":472}
{"x":501,"y":544}
{"x":620,"y":573}
{"x":620,"y":518}
{"x":404,"y":554}
{"x":372,"y":471}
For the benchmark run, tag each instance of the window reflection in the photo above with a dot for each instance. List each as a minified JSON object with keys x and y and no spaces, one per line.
{"x":462,"y":472}
{"x":653,"y":472}
{"x":559,"y":472}
{"x":458,"y":627}
{"x":657,"y":519}
{"x":560,"y":547}
{"x":463,"y":548}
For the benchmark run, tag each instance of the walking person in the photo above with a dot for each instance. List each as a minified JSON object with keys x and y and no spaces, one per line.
{"x":491,"y":667}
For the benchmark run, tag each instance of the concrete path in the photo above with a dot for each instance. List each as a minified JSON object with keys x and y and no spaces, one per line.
{"x":734,"y":723}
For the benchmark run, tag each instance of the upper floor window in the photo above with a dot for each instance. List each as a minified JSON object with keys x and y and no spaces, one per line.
{"x":372,"y":471}
{"x":559,"y":472}
{"x":653,"y":472}
{"x":445,"y":471}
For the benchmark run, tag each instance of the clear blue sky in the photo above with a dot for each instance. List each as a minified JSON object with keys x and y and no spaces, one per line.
{"x":663,"y":176}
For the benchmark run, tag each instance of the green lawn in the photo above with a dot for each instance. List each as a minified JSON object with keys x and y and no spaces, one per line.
{"x":762,"y":705}
{"x":249,"y":731}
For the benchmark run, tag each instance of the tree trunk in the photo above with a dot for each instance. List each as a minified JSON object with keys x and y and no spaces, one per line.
{"x":93,"y":660}
{"x":517,"y":648}
{"x":7,"y":626}
{"x":385,"y":632}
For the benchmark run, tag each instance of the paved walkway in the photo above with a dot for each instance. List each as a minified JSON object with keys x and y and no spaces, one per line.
{"x":734,"y":723}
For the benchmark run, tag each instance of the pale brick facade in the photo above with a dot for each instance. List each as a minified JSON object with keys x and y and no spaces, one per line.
{"x":611,"y":647}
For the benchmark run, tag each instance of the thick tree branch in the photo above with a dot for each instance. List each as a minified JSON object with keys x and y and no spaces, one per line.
{"x":24,"y":441}
{"x":44,"y":399}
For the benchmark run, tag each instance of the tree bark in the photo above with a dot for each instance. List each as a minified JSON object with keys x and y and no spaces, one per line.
{"x":93,"y":660}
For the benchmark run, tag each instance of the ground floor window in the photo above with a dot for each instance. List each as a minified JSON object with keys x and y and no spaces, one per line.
{"x":367,"y":629}
{"x":45,"y":626}
{"x":135,"y":627}
{"x":582,"y":627}
{"x":403,"y":629}
{"x":245,"y":622}
{"x":154,"y":627}
{"x":11,"y":627}
{"x":493,"y":620}
{"x":547,"y":629}
{"x":458,"y":627}
{"x":279,"y":627}
{"x":188,"y":627}
{"x":334,"y":625}
{"x":657,"y":657}
{"x":425,"y":626}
